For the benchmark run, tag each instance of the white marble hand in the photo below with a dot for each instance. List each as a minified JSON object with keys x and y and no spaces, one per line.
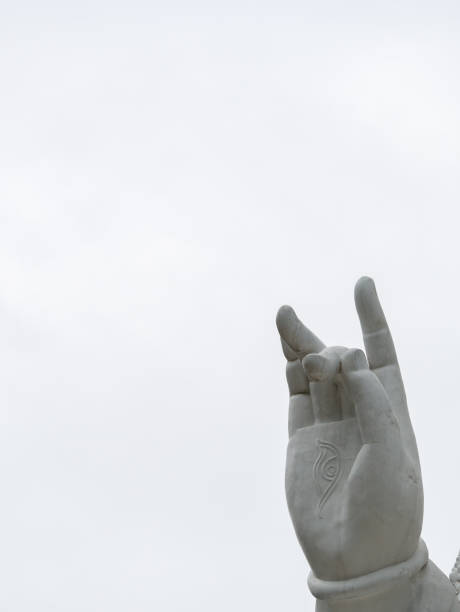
{"x":353,"y":480}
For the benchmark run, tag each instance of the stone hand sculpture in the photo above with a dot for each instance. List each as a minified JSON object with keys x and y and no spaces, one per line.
{"x":353,"y":479}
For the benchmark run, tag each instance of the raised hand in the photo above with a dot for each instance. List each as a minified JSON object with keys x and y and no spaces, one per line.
{"x":353,"y":478}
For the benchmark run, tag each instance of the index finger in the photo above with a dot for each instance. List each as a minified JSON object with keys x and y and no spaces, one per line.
{"x":379,"y":344}
{"x":295,"y":334}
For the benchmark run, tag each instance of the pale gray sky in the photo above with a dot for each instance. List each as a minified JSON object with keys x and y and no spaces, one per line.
{"x":170,"y":174}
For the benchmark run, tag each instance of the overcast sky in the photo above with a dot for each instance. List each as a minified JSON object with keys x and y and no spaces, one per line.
{"x":170,"y":173}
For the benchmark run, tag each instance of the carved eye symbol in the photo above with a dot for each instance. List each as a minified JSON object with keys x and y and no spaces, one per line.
{"x":330,"y":471}
{"x":327,"y":471}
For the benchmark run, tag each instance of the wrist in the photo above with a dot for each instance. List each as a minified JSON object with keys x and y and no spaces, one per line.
{"x":369,"y":585}
{"x":390,"y":588}
{"x":412,"y":586}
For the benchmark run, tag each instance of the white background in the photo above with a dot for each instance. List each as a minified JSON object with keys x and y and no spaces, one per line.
{"x":171,"y":173}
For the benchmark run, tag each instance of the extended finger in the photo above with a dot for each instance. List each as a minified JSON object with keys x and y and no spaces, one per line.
{"x":300,"y":404}
{"x":296,"y":335}
{"x":379,"y":344}
{"x":375,"y":417}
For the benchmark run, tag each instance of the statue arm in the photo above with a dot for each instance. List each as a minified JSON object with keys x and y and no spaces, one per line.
{"x":428,"y":591}
{"x":436,"y":592}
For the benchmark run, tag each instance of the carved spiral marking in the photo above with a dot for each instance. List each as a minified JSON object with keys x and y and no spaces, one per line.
{"x":327,"y":470}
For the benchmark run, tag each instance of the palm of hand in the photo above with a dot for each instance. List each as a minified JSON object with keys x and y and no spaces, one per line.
{"x":353,"y":479}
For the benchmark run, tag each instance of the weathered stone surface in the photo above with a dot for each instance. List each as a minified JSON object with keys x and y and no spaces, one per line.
{"x":353,"y":479}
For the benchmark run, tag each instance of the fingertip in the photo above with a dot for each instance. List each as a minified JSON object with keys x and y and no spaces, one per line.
{"x":368,"y":305}
{"x":294,"y":332}
{"x":284,"y":318}
{"x":321,"y":367}
{"x":354,"y":360}
{"x":315,"y":367}
{"x":364,"y":288}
